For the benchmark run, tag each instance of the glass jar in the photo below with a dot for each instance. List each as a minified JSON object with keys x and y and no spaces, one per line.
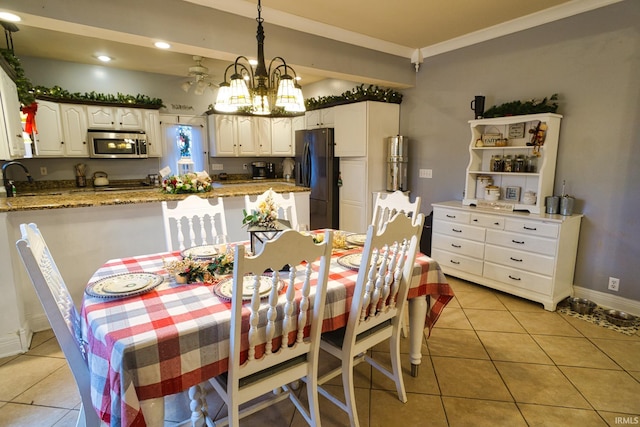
{"x":519,"y":164}
{"x":496,"y":163}
{"x":531,"y":164}
{"x":507,"y":164}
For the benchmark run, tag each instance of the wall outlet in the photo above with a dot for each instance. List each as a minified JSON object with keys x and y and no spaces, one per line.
{"x":43,"y":170}
{"x":217,"y":166}
{"x":245,"y":166}
{"x":614,"y":284}
{"x":425,"y":173}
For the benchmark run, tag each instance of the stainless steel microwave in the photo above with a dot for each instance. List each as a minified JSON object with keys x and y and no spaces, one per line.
{"x":117,"y":144}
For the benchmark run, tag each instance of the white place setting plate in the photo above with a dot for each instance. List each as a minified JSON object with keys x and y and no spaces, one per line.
{"x":356,"y":239}
{"x":353,"y":261}
{"x":200,"y":252}
{"x":224,"y":288}
{"x":124,"y":285}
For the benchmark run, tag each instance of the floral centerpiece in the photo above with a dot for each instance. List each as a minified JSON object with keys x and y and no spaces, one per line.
{"x":193,"y":270}
{"x":198,"y":182}
{"x":265,"y":215}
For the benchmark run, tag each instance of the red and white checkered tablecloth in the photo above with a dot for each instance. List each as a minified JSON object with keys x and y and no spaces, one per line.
{"x":176,"y":336}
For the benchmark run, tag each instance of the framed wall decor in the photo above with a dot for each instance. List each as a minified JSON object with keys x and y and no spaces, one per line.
{"x":512,"y":193}
{"x":516,"y":130}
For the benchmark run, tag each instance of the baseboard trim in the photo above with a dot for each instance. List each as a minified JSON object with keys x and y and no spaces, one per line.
{"x":608,"y":300}
{"x":16,"y":343}
{"x":39,"y":322}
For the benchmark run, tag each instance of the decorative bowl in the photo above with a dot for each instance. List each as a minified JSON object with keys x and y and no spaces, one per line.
{"x":619,"y":318}
{"x":582,"y":305}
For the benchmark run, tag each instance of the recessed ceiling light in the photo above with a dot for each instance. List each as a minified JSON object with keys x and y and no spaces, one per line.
{"x":253,"y":62}
{"x":162,"y":45}
{"x":104,"y":58}
{"x":6,"y":16}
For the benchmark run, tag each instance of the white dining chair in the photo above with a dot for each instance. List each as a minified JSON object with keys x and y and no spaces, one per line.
{"x":256,"y":368}
{"x":376,"y":308}
{"x":61,"y":312}
{"x":286,"y":205}
{"x":192,"y":222}
{"x":65,"y":322}
{"x":386,"y":205}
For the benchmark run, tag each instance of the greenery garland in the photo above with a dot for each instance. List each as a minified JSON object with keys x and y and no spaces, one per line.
{"x":56,"y":92}
{"x":517,"y":108}
{"x":357,"y":94}
{"x":25,"y":88}
{"x":27,"y":93}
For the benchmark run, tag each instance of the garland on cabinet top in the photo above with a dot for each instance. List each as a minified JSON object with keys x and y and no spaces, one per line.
{"x":25,"y":88}
{"x":357,"y":94}
{"x":517,"y":108}
{"x":27,"y":93}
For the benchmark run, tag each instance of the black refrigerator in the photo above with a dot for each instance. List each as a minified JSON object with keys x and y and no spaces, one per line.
{"x":317,"y":168}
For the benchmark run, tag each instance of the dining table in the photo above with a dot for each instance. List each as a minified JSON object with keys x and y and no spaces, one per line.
{"x":144,"y":346}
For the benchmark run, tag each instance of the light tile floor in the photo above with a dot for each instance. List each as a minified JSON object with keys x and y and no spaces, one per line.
{"x":492,"y":359}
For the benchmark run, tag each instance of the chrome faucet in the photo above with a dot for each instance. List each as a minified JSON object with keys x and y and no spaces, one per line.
{"x":9,"y":183}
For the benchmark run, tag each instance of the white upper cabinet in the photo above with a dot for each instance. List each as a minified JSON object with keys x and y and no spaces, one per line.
{"x":282,"y":142}
{"x":154,"y":133}
{"x":62,"y":130}
{"x":363,"y":126}
{"x":74,"y":130}
{"x":11,"y":141}
{"x":322,"y":118}
{"x":250,"y":136}
{"x":104,"y":117}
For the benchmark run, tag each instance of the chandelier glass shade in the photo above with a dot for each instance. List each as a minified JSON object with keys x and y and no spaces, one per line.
{"x":257,"y":90}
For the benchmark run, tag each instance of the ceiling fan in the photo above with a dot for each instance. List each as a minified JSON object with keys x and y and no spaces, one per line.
{"x":201,"y":75}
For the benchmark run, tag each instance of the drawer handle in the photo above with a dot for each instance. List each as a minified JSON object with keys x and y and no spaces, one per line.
{"x":450,"y":216}
{"x":457,"y":231}
{"x":454,"y":262}
{"x":475,"y":220}
{"x":518,"y":242}
{"x":456,"y":246}
{"x":496,"y":223}
{"x":529,"y":228}
{"x":515,"y":259}
{"x":514,"y":278}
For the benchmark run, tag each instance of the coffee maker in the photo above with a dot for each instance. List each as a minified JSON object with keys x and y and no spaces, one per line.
{"x":259,"y":170}
{"x":271,"y":170}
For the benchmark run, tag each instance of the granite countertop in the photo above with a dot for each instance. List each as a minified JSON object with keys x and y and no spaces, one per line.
{"x":58,"y":198}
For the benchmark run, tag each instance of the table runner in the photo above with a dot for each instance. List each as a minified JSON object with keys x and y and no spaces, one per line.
{"x":176,"y":336}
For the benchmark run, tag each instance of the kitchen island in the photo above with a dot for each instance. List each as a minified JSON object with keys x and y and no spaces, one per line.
{"x":84,"y":229}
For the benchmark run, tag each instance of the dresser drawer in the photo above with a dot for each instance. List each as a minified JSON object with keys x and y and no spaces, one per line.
{"x":518,"y":278}
{"x":534,"y":228}
{"x":451,"y":215}
{"x":522,"y":242}
{"x":457,"y":245}
{"x":529,"y":261}
{"x":462,"y":231}
{"x":489,"y":221}
{"x":458,"y":262}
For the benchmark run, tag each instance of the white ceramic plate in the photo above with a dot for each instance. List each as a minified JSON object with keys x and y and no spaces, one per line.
{"x":353,"y":261}
{"x":200,"y":252}
{"x":356,"y":239}
{"x":124,"y":285}
{"x":225,"y":287}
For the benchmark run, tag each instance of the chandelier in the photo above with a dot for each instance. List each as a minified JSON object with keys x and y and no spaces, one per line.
{"x":257,"y":90}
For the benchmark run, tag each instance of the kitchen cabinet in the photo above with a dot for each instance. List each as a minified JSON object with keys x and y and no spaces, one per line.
{"x":524,"y":254}
{"x":154,"y":133}
{"x":106,"y":117}
{"x":11,"y":141}
{"x":363,"y":174}
{"x":322,"y":118}
{"x":233,"y":136}
{"x":263,"y":138}
{"x":282,"y":137}
{"x":516,"y":129}
{"x":62,"y":130}
{"x":363,"y":125}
